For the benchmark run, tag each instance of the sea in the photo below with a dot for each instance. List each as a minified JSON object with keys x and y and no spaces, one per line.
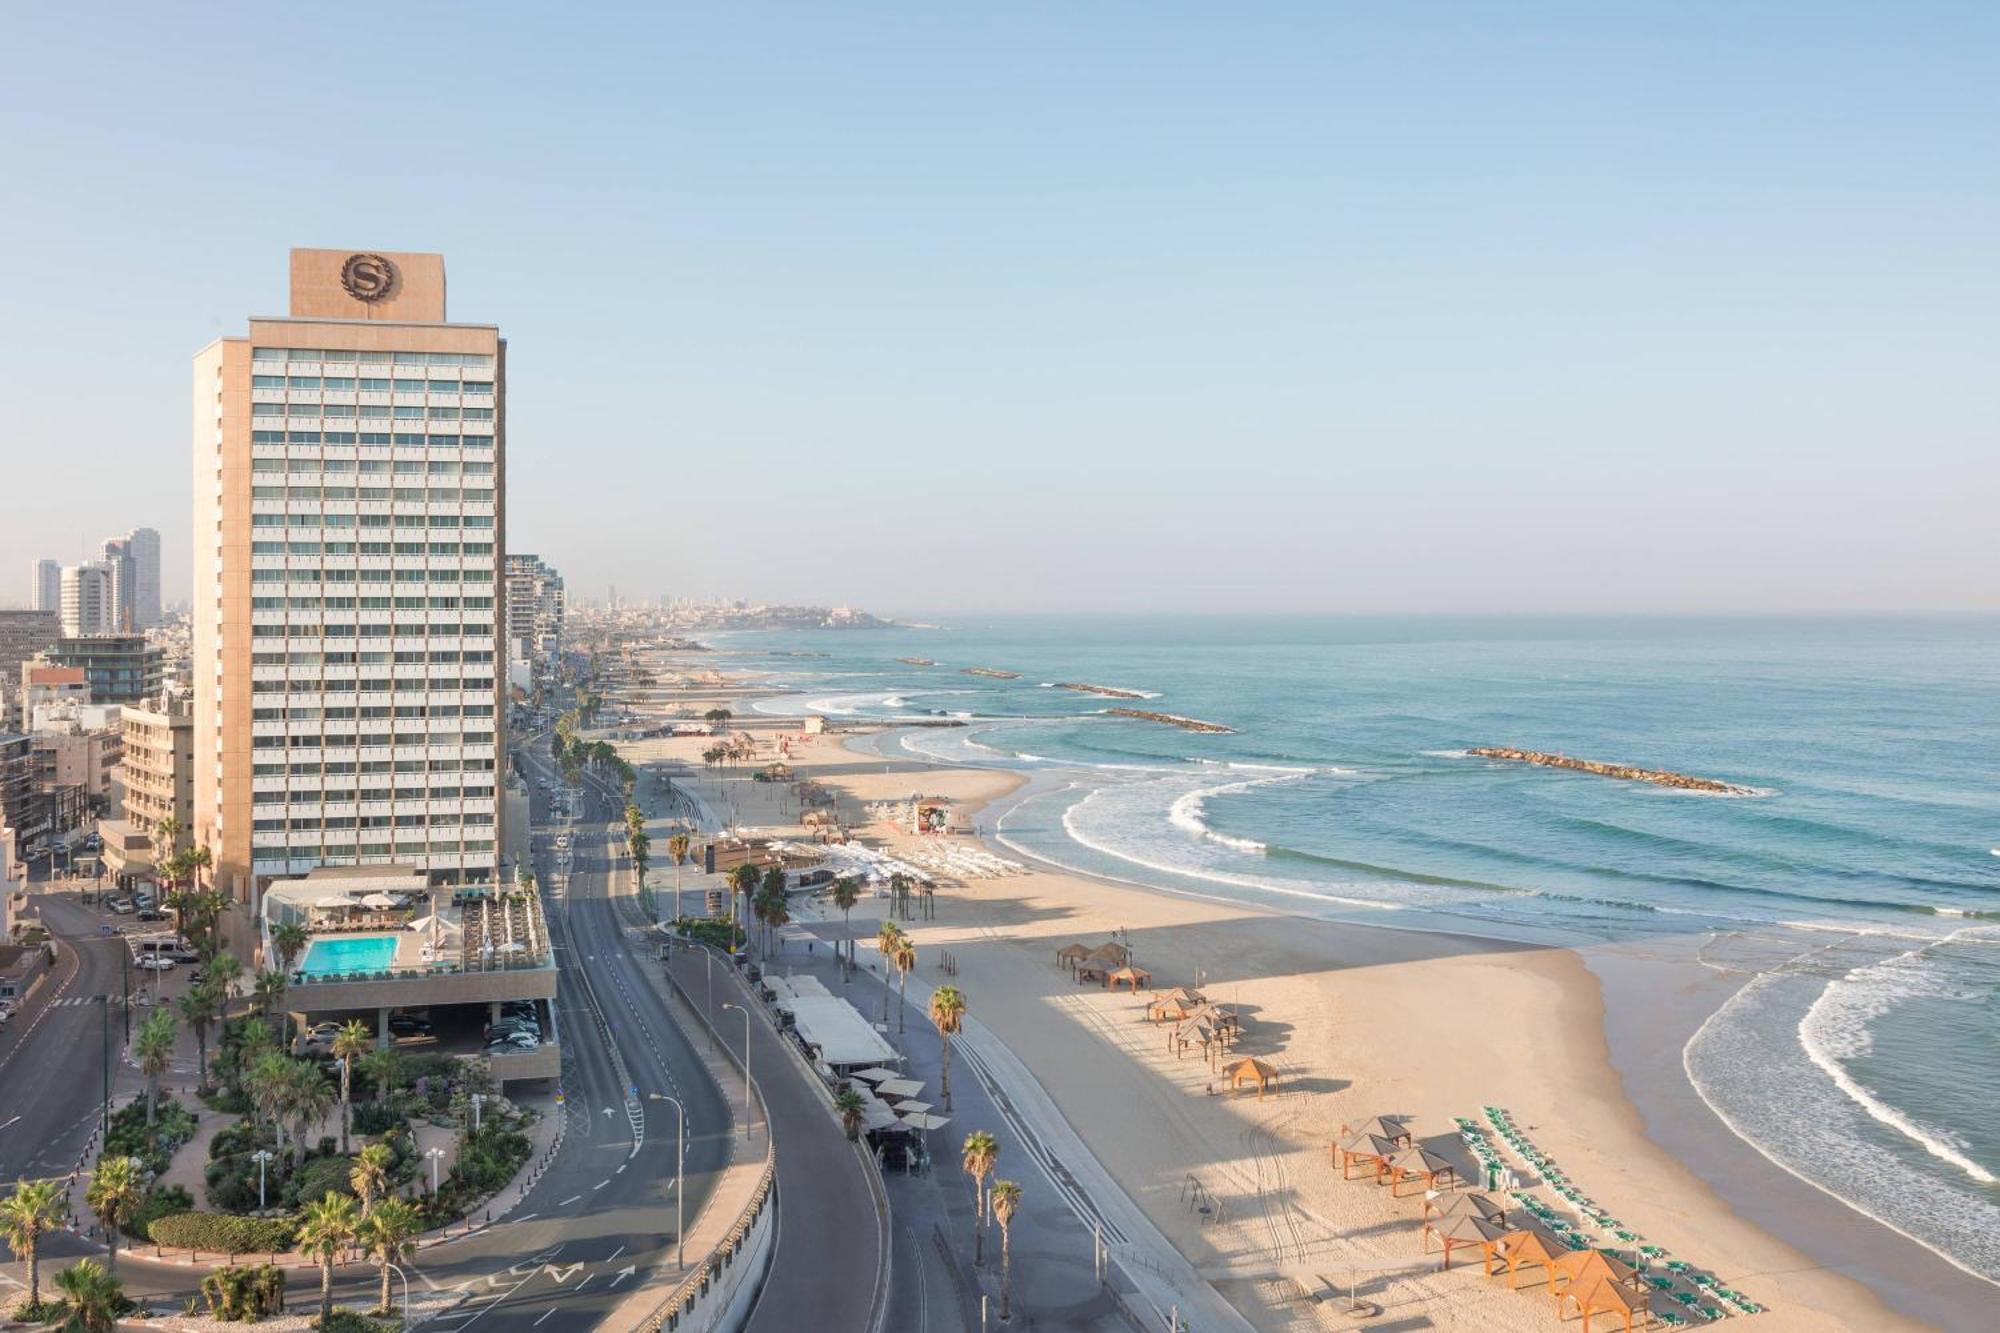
{"x":1855,"y":884}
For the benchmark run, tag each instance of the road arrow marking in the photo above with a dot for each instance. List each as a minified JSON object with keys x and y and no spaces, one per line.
{"x":627,"y":1271}
{"x":562,"y":1275}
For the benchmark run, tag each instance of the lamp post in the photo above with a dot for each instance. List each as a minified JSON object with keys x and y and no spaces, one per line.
{"x":125,"y":982}
{"x":746,"y":1065}
{"x":478,"y":1099}
{"x":680,"y":1172}
{"x":709,"y":955}
{"x":436,"y":1155}
{"x":261,"y":1157}
{"x":397,"y":1269}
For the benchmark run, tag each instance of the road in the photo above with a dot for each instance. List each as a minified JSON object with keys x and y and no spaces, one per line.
{"x":600,"y":1221}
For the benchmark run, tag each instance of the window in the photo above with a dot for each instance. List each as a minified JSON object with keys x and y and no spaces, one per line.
{"x":372,"y":410}
{"x":373,"y":386}
{"x":373,"y":358}
{"x":410,"y":441}
{"x":479,"y":414}
{"x":372,"y":437}
{"x":303,"y":382}
{"x":409,"y":386}
{"x":474,"y":386}
{"x":336,"y":465}
{"x":451,"y":413}
{"x":302,"y":437}
{"x":409,"y":413}
{"x":443,"y":466}
{"x":338,"y":385}
{"x":340,"y":436}
{"x":478,"y":469}
{"x":267,"y":492}
{"x":408,"y":465}
{"x":267,"y":381}
{"x":339,"y":410}
{"x":267,"y":437}
{"x":267,"y":548}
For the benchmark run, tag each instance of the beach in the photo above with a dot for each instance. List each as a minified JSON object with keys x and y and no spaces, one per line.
{"x":1358,"y":1021}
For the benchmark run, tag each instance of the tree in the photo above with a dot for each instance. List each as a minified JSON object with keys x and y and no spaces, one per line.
{"x":1006,"y":1200}
{"x":264,"y":1082}
{"x":846,"y":893}
{"x":352,"y":1041}
{"x":328,"y":1227}
{"x":223,"y":969}
{"x":381,"y":1066}
{"x":388,"y":1237}
{"x":200,"y":1007}
{"x":718,"y":716}
{"x":904,"y":960}
{"x":114,"y":1195}
{"x":95,"y":1297}
{"x":979,"y":1156}
{"x":26,"y":1215}
{"x":948,"y":1014}
{"x":849,"y":1104}
{"x":307,"y":1097}
{"x":289,"y":941}
{"x":776,"y":911}
{"x":899,"y":894}
{"x":370,"y":1176}
{"x":267,"y":993}
{"x":154,"y":1051}
{"x":743,"y":883}
{"x":677,"y":848}
{"x":887,"y":936}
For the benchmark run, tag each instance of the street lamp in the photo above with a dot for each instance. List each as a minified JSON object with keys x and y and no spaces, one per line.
{"x":397,"y":1269}
{"x":746,"y":1065}
{"x":261,"y":1157}
{"x":478,"y":1100}
{"x":680,"y":1172}
{"x":436,"y":1155}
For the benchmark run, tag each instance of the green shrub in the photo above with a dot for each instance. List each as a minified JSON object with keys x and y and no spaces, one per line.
{"x":154,"y":1145}
{"x":319,"y":1177}
{"x":343,"y":1320}
{"x":245,"y":1136}
{"x":231,"y":1182}
{"x":158,"y":1203}
{"x":245,"y":1295}
{"x":223,"y":1233}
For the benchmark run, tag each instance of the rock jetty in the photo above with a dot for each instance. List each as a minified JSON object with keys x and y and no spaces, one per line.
{"x":916,"y":661}
{"x":993,"y":673}
{"x":1184,"y":723}
{"x":1623,"y":772}
{"x":1108,"y":691}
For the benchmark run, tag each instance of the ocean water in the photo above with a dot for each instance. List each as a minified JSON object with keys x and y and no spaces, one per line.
{"x":1859,"y":884}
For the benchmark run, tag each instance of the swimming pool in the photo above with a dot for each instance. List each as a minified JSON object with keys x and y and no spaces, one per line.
{"x":349,"y":953}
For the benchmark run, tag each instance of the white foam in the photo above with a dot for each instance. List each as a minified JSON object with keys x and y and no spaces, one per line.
{"x":1188,"y":812}
{"x":1835,"y":1030}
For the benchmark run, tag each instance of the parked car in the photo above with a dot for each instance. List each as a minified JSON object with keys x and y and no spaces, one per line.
{"x":518,"y":1042}
{"x":122,"y":906}
{"x":150,"y":914}
{"x":157,"y":962}
{"x":320,"y":1036}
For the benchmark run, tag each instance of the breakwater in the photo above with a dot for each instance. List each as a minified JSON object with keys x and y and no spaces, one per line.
{"x":1623,"y":772}
{"x":916,"y":661}
{"x":1108,"y":691}
{"x":1172,"y":720}
{"x":992,"y":673}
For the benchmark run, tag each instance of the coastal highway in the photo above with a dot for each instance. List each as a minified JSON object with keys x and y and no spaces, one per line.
{"x":599,"y":1223}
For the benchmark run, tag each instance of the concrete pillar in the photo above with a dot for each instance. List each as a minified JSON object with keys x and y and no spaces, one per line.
{"x":492,"y":1012}
{"x":382,"y":1029}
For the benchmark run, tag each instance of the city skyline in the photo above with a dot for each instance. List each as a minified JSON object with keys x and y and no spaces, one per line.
{"x":1320,"y":312}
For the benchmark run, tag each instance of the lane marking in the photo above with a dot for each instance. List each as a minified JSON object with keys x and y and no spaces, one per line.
{"x":570,"y":1200}
{"x":599,"y":1185}
{"x":551,"y":1310}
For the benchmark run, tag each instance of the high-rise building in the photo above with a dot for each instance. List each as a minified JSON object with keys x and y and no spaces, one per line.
{"x":350,"y":483}
{"x":534,"y":607}
{"x":155,"y":782}
{"x":45,"y":585}
{"x":89,"y":599}
{"x":119,"y":668}
{"x":22,"y":635}
{"x":134,"y":562}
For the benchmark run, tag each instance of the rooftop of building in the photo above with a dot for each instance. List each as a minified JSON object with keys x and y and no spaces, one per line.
{"x":420,"y":930}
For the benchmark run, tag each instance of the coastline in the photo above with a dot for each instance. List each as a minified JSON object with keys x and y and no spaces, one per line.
{"x":1362,"y":1019}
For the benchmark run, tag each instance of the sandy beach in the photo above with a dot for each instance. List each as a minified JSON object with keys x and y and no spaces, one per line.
{"x":1358,"y":1021}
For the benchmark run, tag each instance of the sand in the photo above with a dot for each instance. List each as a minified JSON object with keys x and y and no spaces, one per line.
{"x":1359,"y":1021}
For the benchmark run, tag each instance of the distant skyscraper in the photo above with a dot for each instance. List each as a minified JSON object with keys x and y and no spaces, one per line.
{"x":135,"y":578}
{"x":89,"y":600}
{"x":348,"y":649}
{"x":45,"y":585}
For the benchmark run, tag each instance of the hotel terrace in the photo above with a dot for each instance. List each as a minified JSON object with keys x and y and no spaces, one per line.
{"x":383,"y":941}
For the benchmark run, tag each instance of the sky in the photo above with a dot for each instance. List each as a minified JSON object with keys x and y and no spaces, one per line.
{"x":1119,"y":306}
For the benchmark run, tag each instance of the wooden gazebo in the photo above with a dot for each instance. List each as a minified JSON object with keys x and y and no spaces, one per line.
{"x":1111,"y":955}
{"x":1526,"y":1247}
{"x":1465,"y":1229}
{"x":1128,"y":975}
{"x":1194,"y":1032}
{"x":1372,"y":1149}
{"x":1605,"y":1296}
{"x":1175,"y":1005}
{"x":1420,"y":1164}
{"x":1249,"y":1069}
{"x":1071,"y":954}
{"x":1395,"y":1128}
{"x":1451,"y":1205}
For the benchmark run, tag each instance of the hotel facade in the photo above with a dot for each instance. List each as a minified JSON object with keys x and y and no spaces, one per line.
{"x":349,"y":618}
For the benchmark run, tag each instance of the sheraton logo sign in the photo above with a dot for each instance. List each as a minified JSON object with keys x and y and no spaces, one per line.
{"x":368,"y":278}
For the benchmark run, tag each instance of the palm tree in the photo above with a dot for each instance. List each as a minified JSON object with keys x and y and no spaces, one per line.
{"x":154,"y":1050}
{"x":308,"y":1098}
{"x":370,"y":1176}
{"x":948,"y":1013}
{"x":114,"y":1195}
{"x":268,"y":992}
{"x":899,"y":892}
{"x":777,"y":911}
{"x":742,"y":882}
{"x":223,"y":969}
{"x":980,"y":1155}
{"x":351,"y":1041}
{"x":1006,"y":1199}
{"x":380,"y":1065}
{"x":95,"y":1297}
{"x":264,"y":1082}
{"x":905,"y":962}
{"x":850,"y":1104}
{"x":387,"y":1237}
{"x":887,"y":936}
{"x":200,"y":1007}
{"x":772,"y":891}
{"x":289,"y":941}
{"x":846,"y":893}
{"x":26,"y":1215}
{"x":677,"y":848}
{"x":328,"y":1228}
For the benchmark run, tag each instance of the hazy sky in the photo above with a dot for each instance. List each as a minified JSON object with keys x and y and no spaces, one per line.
{"x":1142,"y":305}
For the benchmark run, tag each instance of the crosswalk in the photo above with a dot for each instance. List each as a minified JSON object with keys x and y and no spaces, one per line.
{"x":75,"y":1001}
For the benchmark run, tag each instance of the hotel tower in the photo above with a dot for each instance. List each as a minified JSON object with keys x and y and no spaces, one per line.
{"x":349,"y":654}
